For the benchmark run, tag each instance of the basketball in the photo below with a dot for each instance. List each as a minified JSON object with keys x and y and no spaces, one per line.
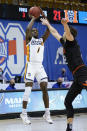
{"x":34,"y":11}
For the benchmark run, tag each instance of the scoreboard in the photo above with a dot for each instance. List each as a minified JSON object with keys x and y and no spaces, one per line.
{"x":17,"y":12}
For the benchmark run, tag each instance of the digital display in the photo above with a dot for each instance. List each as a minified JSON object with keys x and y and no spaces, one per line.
{"x":82,"y":17}
{"x":53,"y":15}
{"x":57,"y":15}
{"x":11,"y":102}
{"x":16,"y":12}
{"x":21,"y":13}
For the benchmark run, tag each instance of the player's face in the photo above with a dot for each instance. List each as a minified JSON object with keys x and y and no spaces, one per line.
{"x":35,"y":32}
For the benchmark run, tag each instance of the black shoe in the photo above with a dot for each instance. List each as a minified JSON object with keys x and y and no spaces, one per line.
{"x":69,"y":130}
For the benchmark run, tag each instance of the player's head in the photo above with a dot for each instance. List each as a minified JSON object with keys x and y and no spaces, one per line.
{"x":35,"y":32}
{"x":73,"y":31}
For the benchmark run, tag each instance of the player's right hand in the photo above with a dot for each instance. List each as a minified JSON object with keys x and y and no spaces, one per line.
{"x":32,"y":17}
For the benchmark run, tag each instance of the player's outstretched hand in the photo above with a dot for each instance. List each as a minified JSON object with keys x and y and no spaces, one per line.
{"x":44,"y":21}
{"x":64,"y":21}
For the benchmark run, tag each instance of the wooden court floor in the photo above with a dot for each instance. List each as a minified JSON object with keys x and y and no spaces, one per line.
{"x":39,"y":124}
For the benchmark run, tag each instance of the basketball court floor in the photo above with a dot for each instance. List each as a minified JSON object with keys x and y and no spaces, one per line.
{"x":39,"y":124}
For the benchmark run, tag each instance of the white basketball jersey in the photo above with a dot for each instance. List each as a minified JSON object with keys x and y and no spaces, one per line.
{"x":35,"y":50}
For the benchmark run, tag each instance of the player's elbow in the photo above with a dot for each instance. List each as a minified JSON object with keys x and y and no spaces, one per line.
{"x":57,"y":36}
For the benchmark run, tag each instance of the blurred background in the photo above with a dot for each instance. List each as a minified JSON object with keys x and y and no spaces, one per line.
{"x":62,"y":4}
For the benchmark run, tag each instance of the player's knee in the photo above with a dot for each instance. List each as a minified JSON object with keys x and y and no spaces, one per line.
{"x":67,"y":103}
{"x":26,"y":93}
{"x":43,"y":86}
{"x":25,"y":97}
{"x":27,"y":84}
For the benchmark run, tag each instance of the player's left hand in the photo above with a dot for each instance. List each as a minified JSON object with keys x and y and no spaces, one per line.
{"x":64,"y":21}
{"x":44,"y":21}
{"x":41,"y":12}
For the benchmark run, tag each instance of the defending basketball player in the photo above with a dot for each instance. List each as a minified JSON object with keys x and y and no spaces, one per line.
{"x":34,"y":68}
{"x":75,"y":64}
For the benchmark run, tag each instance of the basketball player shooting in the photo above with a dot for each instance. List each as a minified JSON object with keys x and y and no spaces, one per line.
{"x":34,"y":68}
{"x":75,"y":64}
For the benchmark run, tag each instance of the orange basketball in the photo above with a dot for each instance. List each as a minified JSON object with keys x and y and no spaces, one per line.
{"x":34,"y":11}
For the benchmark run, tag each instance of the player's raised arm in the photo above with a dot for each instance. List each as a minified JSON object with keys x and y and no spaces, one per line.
{"x":47,"y":32}
{"x":52,"y":30}
{"x":29,"y":29}
{"x":69,"y":36}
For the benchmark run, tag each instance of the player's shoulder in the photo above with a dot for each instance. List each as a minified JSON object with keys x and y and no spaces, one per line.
{"x":41,"y":38}
{"x":38,"y":39}
{"x":74,"y":41}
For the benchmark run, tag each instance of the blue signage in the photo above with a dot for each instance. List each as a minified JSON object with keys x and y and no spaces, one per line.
{"x":11,"y":102}
{"x":82,"y":17}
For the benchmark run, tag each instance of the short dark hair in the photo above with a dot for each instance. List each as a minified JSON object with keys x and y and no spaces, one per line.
{"x":73,"y":31}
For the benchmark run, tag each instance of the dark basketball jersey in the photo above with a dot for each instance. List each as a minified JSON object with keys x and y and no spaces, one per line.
{"x":72,"y":54}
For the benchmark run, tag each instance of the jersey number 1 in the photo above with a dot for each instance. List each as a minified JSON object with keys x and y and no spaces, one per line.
{"x":38,"y":50}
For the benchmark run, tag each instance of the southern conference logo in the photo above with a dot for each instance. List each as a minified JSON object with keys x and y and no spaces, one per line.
{"x":12,"y":49}
{"x":71,"y":15}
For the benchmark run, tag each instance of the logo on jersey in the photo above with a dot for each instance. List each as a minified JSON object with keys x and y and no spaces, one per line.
{"x":3,"y":50}
{"x":71,"y":15}
{"x":29,"y":74}
{"x":36,"y":41}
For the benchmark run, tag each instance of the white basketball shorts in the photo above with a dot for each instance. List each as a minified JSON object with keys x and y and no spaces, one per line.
{"x":35,"y":70}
